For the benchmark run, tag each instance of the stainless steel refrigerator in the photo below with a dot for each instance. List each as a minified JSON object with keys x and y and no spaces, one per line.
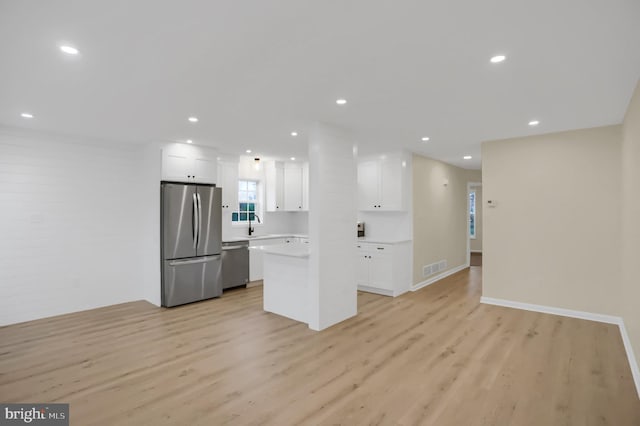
{"x":191,"y":229}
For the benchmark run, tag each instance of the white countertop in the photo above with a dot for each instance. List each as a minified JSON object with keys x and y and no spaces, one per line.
{"x":262,"y":237}
{"x":288,"y":249}
{"x":253,"y":238}
{"x":381,"y":240}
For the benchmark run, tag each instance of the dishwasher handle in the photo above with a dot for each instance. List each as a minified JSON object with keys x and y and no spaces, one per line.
{"x":224,"y":248}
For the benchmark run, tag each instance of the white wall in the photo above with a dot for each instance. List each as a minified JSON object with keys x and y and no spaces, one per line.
{"x":440,"y":221}
{"x":554,"y":236}
{"x":630,"y":296}
{"x":71,"y":221}
{"x":151,"y":171}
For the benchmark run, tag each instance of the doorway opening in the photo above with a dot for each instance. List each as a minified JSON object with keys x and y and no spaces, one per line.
{"x":474,"y":223}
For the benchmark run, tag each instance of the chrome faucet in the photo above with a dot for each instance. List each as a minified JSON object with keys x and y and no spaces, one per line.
{"x":251,"y":230}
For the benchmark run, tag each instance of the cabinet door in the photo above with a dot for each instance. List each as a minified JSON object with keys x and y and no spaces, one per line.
{"x":362,"y":268}
{"x":255,"y":265}
{"x":305,"y":187}
{"x":176,"y":166}
{"x":279,"y":189}
{"x":186,"y":163}
{"x":274,"y":185}
{"x":381,"y":270}
{"x":228,"y":181}
{"x":293,"y":188}
{"x":204,"y":168}
{"x":368,"y":183}
{"x":391,"y":195}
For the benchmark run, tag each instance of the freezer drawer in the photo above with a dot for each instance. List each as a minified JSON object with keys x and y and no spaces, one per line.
{"x":190,"y":280}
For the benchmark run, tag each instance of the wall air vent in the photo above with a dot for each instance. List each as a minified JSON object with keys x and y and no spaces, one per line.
{"x":426,"y":271}
{"x":433,"y":268}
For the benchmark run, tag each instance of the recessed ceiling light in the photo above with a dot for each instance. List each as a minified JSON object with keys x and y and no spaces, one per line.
{"x":294,"y":133}
{"x":69,"y":50}
{"x":189,"y":141}
{"x":425,"y":139}
{"x":497,"y":59}
{"x":26,"y":115}
{"x":534,"y":123}
{"x":293,"y":158}
{"x":248,"y":151}
{"x":193,"y":119}
{"x":467,"y":157}
{"x":341,"y":101}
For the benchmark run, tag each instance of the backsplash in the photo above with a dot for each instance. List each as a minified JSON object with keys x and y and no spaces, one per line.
{"x":273,"y":223}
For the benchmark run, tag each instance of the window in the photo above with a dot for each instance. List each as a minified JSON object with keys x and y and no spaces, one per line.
{"x":472,"y":214}
{"x":248,"y":202}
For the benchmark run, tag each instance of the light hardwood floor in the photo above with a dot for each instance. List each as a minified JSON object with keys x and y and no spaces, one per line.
{"x":433,"y":357}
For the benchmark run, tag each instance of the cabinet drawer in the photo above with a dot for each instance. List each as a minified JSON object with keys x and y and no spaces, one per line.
{"x":372,"y":247}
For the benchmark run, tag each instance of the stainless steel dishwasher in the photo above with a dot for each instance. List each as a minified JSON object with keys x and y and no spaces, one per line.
{"x":235,"y":263}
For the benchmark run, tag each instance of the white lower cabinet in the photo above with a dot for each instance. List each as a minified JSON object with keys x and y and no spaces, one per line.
{"x":256,"y":257}
{"x":383,"y":268}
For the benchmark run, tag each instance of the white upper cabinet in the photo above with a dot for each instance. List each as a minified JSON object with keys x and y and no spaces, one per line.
{"x":305,"y":187}
{"x":292,"y":187}
{"x":368,"y":185}
{"x":186,"y":163}
{"x":274,"y":174}
{"x":382,"y":183}
{"x":286,"y":186}
{"x":228,"y":181}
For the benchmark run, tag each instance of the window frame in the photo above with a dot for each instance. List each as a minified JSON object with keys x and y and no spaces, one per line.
{"x":257,"y":203}
{"x":473,"y":215}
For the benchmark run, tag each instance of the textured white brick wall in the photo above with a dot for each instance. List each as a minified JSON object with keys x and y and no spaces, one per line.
{"x":71,"y":225}
{"x":332,"y":227}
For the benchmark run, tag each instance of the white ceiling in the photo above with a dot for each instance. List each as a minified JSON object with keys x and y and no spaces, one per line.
{"x":253,"y":71}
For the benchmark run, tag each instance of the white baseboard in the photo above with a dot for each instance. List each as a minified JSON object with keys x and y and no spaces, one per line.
{"x":633,"y":363}
{"x":438,"y":277}
{"x":375,"y":290}
{"x":609,"y":319}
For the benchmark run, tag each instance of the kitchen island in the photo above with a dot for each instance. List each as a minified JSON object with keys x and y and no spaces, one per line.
{"x":285,"y":287}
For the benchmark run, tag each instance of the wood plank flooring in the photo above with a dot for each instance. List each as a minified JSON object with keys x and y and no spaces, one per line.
{"x":433,"y":357}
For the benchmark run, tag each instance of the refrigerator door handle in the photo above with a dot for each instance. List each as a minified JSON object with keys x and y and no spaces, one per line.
{"x":204,"y":259}
{"x":199,"y":219}
{"x":194,"y":220}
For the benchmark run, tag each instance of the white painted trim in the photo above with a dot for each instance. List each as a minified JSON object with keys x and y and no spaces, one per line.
{"x":608,"y":319}
{"x":470,"y":186}
{"x":633,"y":363}
{"x":438,"y":277}
{"x":376,"y":290}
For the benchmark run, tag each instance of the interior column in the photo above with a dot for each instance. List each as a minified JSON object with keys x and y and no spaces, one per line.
{"x":332,"y":226}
